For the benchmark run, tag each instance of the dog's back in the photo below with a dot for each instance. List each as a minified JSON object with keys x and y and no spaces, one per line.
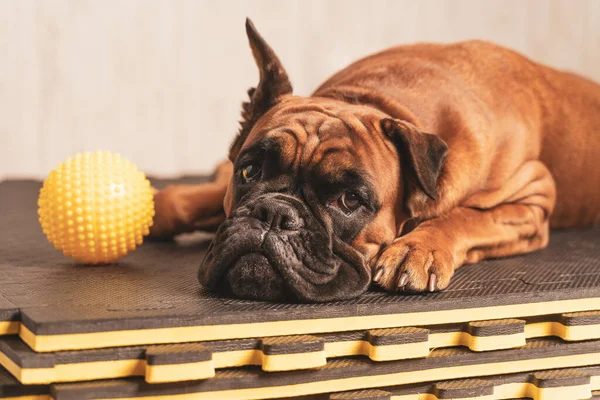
{"x":571,"y":146}
{"x":478,"y":88}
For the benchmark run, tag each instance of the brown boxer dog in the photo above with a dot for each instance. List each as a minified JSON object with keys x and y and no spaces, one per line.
{"x":397,"y":170}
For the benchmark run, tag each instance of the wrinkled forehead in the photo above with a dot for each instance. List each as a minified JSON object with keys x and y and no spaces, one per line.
{"x":316,"y":139}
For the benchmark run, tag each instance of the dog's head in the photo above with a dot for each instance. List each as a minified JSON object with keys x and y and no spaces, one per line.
{"x":319,"y":187}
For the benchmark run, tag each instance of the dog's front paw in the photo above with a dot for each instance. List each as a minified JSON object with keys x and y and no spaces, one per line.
{"x":172,"y":212}
{"x":415,"y":263}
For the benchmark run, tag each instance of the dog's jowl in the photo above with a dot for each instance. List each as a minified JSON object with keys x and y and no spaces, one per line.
{"x":395,"y":172}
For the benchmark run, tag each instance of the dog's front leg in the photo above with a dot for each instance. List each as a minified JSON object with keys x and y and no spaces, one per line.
{"x":187,"y":208}
{"x":512,"y":220}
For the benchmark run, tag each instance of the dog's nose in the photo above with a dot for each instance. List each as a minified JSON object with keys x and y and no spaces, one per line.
{"x":278,"y":214}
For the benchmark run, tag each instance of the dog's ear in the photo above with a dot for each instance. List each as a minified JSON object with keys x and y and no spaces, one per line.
{"x":273,"y":84}
{"x":421,"y":155}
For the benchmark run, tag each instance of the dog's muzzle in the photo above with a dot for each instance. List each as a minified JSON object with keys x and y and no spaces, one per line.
{"x":273,"y":248}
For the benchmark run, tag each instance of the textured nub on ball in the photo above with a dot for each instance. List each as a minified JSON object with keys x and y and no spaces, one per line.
{"x":96,"y":207}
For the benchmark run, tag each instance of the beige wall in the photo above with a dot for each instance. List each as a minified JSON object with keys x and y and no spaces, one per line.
{"x":161,"y":81}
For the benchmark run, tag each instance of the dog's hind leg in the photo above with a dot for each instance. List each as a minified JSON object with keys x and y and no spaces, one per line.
{"x":187,"y":208}
{"x":509,"y":221}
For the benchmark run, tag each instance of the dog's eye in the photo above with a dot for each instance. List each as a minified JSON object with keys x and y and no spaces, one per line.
{"x":250,"y":172}
{"x":348,"y":202}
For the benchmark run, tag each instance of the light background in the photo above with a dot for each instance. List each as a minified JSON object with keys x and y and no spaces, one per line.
{"x":161,"y":81}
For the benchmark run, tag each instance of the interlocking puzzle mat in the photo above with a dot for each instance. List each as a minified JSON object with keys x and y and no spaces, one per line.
{"x":10,"y":388}
{"x":560,"y":384}
{"x":544,"y":385}
{"x":193,"y":361}
{"x":347,"y":374}
{"x":153,"y":296}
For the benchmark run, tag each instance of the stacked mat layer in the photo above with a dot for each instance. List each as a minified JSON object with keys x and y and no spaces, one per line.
{"x":524,"y":327}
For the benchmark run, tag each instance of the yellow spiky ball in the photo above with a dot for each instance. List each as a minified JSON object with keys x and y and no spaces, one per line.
{"x":96,"y":207}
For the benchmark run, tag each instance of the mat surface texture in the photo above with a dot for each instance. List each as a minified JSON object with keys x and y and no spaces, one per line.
{"x":152,"y":296}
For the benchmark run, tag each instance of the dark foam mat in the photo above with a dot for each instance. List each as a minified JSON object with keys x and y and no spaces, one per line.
{"x":152,"y":296}
{"x":10,"y":388}
{"x":560,"y":384}
{"x":477,"y":375}
{"x":194,"y":361}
